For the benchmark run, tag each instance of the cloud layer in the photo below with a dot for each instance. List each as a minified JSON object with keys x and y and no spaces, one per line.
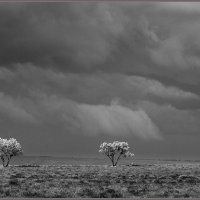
{"x":126,"y":70}
{"x":80,"y":103}
{"x":114,"y":119}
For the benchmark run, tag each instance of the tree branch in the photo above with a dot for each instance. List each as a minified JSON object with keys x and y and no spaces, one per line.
{"x":118,"y":159}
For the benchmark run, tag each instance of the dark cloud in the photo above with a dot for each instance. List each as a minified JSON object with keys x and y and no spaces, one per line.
{"x":59,"y":34}
{"x":126,"y":70}
{"x":82,"y":101}
{"x":96,"y":88}
{"x":84,"y":37}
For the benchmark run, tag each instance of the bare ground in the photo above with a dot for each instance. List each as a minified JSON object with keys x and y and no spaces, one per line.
{"x":156,"y":180}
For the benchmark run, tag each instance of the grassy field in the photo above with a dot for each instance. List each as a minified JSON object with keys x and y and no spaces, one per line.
{"x":140,"y":180}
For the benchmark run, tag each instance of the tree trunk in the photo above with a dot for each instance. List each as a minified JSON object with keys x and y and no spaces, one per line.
{"x":5,"y":164}
{"x":8,"y":161}
{"x":3,"y":161}
{"x":113,"y":161}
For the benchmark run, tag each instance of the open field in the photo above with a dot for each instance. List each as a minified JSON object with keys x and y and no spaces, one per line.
{"x":141,"y":180}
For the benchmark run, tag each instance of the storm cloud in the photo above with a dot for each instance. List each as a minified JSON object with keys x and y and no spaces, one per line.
{"x":100,"y":70}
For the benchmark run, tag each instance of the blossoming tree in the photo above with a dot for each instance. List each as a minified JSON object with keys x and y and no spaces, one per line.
{"x":8,"y":149}
{"x":115,"y":151}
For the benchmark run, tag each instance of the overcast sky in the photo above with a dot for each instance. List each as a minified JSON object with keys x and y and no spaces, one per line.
{"x":73,"y":75}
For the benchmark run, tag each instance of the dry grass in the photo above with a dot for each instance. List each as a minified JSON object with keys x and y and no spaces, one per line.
{"x":158,"y":180}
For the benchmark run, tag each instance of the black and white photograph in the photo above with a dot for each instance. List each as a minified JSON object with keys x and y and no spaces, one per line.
{"x":99,"y":99}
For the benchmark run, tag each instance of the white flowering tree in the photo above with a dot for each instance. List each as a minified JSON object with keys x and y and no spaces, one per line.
{"x":8,"y":149}
{"x":115,"y":151}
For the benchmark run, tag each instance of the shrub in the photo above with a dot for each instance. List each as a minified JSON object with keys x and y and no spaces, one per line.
{"x":110,"y":193}
{"x":14,"y":181}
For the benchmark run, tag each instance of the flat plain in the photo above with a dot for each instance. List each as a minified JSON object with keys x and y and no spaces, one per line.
{"x":161,"y":180}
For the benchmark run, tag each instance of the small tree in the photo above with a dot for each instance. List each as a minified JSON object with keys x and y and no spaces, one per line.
{"x":115,"y":151}
{"x":8,"y":149}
